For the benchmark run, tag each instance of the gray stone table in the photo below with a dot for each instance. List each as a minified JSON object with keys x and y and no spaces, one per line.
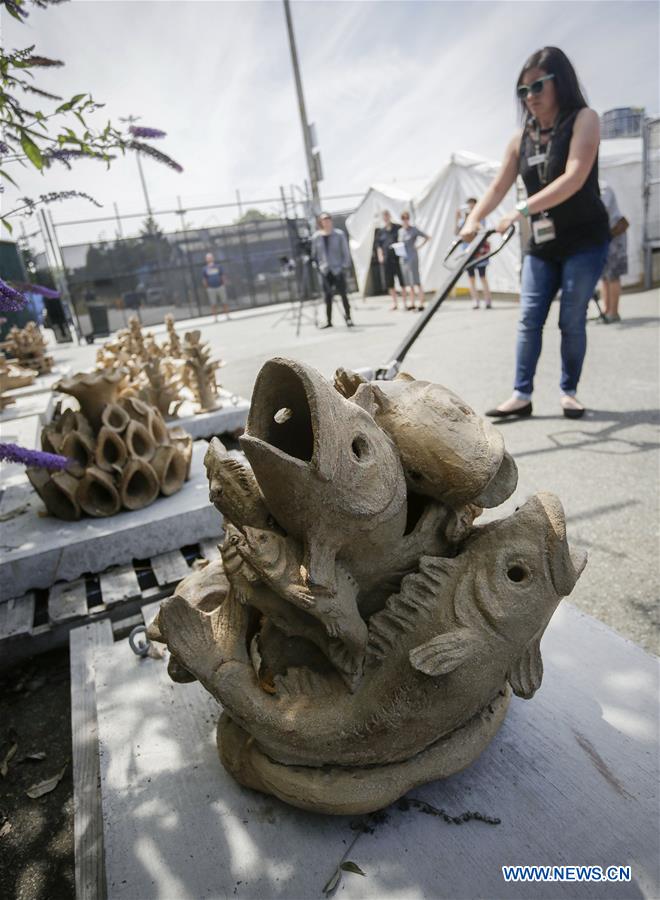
{"x":36,"y":551}
{"x":572,"y":775}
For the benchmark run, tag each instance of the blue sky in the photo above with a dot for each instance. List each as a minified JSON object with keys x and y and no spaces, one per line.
{"x":394,"y":87}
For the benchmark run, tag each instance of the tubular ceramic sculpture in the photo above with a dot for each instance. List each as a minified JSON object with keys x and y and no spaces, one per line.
{"x":122,"y":453}
{"x":361,"y":633}
{"x":163,"y":375}
{"x":29,"y":347}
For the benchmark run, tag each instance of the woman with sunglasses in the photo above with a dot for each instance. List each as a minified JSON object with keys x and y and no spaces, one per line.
{"x":556,"y":153}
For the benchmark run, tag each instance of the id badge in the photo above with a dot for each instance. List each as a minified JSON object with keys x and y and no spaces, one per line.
{"x":543,"y":230}
{"x":536,"y":160}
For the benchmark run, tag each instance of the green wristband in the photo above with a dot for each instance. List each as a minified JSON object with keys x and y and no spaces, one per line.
{"x":523,"y":208}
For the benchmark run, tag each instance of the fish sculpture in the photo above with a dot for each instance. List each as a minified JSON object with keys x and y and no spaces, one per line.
{"x":361,"y":631}
{"x":439,"y":652}
{"x":448,"y":451}
{"x":329,"y":475}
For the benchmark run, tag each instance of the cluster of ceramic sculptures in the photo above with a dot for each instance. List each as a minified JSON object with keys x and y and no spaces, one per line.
{"x":123,"y":454}
{"x":11,"y":377}
{"x":28,"y":347}
{"x":163,"y":375}
{"x":362,"y":634}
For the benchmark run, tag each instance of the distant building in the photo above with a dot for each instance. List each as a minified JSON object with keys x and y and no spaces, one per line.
{"x":624,"y":121}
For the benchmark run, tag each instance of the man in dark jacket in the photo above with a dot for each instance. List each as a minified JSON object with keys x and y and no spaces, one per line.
{"x":331,"y":255}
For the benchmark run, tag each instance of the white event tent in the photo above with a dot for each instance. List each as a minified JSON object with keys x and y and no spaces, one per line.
{"x":466,"y":175}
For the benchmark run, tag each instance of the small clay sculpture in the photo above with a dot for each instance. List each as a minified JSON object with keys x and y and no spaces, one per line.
{"x":362,"y":634}
{"x":12,"y":377}
{"x":28,"y":346}
{"x":163,"y":375}
{"x":201,"y":371}
{"x":122,"y":453}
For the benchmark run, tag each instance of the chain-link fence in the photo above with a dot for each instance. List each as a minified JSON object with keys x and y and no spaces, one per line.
{"x":263,"y":262}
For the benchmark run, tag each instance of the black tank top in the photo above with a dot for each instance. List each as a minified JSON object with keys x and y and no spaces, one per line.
{"x":581,"y":221}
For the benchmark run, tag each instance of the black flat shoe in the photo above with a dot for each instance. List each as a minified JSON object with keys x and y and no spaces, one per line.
{"x":573,"y":413}
{"x":522,"y":412}
{"x":328,"y":325}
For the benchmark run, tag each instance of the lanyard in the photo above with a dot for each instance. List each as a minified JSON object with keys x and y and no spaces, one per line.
{"x":542,"y":168}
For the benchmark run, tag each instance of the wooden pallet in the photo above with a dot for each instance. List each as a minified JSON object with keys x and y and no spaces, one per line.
{"x":42,"y":620}
{"x":84,"y":641}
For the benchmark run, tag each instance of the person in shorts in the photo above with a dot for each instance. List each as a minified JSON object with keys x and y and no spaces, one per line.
{"x":616,"y":264}
{"x":213,"y":279}
{"x":408,"y":235}
{"x":478,"y":268}
{"x":387,"y":256}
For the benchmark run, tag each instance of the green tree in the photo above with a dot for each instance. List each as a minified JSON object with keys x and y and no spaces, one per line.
{"x":254,"y":215}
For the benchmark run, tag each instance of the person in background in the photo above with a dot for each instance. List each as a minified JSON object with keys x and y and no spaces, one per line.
{"x":331,"y":255}
{"x":616,"y":264}
{"x":386,"y":237}
{"x":213,"y":278}
{"x":556,"y":153}
{"x":408,"y":235}
{"x":478,"y":267}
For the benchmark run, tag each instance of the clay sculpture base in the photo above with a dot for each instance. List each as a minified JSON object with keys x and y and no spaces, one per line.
{"x":359,"y":789}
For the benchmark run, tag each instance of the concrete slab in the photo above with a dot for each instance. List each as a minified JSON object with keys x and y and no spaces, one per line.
{"x":41,"y":405}
{"x":37,"y":550}
{"x":25,"y":432}
{"x":230,"y":417}
{"x":42,"y":383}
{"x":572,"y":775}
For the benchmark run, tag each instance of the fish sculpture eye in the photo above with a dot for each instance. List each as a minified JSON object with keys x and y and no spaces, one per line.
{"x":360,"y":447}
{"x":517,"y":573}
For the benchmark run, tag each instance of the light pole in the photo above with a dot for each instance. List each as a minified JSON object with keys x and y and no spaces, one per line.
{"x":313,"y":160}
{"x":131,"y":121}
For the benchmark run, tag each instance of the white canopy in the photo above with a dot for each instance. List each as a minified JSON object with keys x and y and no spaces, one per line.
{"x":467,"y":175}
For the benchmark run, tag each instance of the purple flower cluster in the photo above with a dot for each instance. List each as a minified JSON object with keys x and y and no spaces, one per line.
{"x":140,"y":131}
{"x":11,"y":300}
{"x":33,"y":458}
{"x":4,"y":148}
{"x":16,"y":10}
{"x":155,"y":154}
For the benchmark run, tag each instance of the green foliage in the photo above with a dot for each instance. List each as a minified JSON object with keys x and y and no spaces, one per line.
{"x":254,"y":215}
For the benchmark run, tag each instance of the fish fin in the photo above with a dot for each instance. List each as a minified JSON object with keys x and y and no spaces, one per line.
{"x":364,"y":398}
{"x":347,"y":382}
{"x":319,"y":564}
{"x":526,"y":672}
{"x":445,"y":652}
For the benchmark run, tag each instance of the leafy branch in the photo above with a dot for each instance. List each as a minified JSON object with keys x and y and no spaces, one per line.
{"x":44,"y":137}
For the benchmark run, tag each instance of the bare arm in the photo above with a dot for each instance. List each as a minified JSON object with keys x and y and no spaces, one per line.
{"x":497,"y":190}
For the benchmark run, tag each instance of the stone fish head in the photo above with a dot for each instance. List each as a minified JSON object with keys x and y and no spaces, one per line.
{"x":513,"y":576}
{"x":300,"y":429}
{"x":328,"y":473}
{"x":448,"y":451}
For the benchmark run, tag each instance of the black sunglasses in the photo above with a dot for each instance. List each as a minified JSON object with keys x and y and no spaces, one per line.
{"x":524,"y":90}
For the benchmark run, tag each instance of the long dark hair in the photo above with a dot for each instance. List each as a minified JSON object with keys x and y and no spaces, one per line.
{"x":554,"y":61}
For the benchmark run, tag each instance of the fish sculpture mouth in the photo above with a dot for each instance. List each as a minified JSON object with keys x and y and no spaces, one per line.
{"x":284,"y":416}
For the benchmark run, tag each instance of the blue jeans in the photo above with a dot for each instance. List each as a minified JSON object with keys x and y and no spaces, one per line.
{"x":576,"y":276}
